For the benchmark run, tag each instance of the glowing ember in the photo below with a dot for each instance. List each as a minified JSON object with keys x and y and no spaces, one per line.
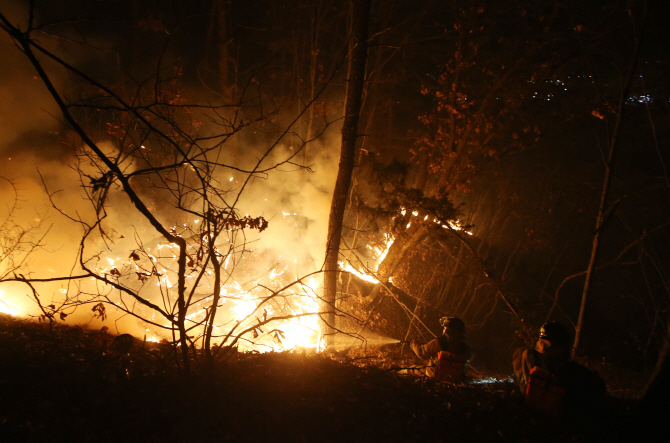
{"x":456,"y":226}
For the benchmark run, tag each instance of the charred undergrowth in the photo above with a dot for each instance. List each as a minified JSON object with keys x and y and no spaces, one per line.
{"x":68,"y":384}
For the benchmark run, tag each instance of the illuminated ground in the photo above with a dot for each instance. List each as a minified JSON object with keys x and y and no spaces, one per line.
{"x":61,"y":387}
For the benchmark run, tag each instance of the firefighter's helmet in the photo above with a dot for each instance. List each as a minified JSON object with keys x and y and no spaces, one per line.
{"x":453,"y":324}
{"x":555,"y":333}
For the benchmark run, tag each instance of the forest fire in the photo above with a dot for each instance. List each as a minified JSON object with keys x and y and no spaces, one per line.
{"x":296,"y":310}
{"x":230,"y":199}
{"x":5,"y":308}
{"x":367,"y":272}
{"x":300,"y":329}
{"x":378,"y":255}
{"x":286,"y":319}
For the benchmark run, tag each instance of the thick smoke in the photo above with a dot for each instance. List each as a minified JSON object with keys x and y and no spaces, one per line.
{"x":30,"y":145}
{"x":297,"y":204}
{"x":37,"y":155}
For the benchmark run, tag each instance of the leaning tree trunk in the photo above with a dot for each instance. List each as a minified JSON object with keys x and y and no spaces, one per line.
{"x":358,"y":55}
{"x":405,"y":241}
{"x":219,"y":37}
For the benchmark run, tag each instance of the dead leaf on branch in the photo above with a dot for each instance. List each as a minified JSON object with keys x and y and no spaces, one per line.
{"x":230,"y":220}
{"x":100,"y":182}
{"x":99,"y":311}
{"x":143,"y":276}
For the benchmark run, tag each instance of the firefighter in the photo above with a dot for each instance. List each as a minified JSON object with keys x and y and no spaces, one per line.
{"x":447,"y":356}
{"x":553,"y":383}
{"x":552,"y":353}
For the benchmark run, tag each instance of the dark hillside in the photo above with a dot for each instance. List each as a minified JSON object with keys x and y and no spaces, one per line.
{"x":61,"y":386}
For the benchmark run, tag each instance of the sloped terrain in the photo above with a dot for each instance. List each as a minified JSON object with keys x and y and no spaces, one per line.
{"x":71,"y":385}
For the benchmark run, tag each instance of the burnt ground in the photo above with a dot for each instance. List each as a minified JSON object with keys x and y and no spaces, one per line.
{"x":68,"y":384}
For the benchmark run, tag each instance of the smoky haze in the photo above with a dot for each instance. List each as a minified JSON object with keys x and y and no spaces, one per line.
{"x":37,"y":159}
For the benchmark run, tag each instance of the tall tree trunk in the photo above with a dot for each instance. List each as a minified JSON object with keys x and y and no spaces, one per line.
{"x":358,"y":56}
{"x":603,"y":212}
{"x":220,"y":34}
{"x":407,"y":239}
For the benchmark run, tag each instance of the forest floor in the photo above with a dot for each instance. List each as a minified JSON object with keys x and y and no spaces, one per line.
{"x":67,"y":385}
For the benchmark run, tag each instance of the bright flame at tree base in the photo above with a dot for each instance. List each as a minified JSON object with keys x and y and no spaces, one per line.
{"x":296,"y":309}
{"x":277,"y":321}
{"x":369,"y":273}
{"x":302,"y":330}
{"x":5,"y":308}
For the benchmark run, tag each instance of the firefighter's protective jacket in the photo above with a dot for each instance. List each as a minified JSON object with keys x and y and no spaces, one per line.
{"x":450,"y":343}
{"x":546,"y":356}
{"x":584,"y":390}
